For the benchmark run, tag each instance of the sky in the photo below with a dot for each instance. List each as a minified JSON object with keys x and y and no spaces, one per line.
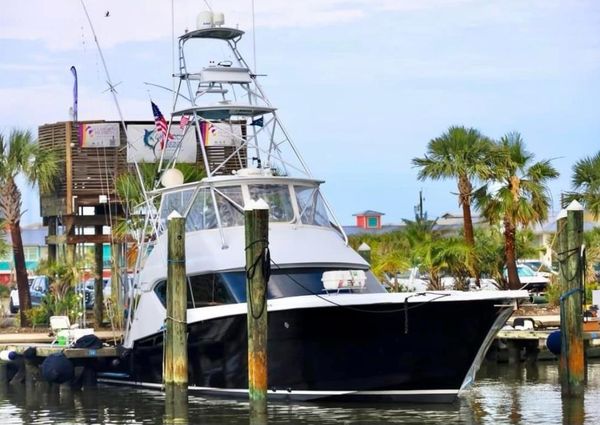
{"x":361,"y":85}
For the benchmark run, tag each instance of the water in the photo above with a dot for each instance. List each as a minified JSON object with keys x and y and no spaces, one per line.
{"x":502,"y":394}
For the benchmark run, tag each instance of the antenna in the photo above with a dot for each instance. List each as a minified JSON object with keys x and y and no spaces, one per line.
{"x":173,"y":46}
{"x":111,"y":87}
{"x":254,"y":40}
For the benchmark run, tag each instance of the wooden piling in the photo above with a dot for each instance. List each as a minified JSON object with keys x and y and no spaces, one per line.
{"x":572,"y":363}
{"x":257,"y":264}
{"x":52,"y":252}
{"x":98,"y":282}
{"x":3,"y":373}
{"x":176,"y":361}
{"x":116,"y":284}
{"x":514,"y":352}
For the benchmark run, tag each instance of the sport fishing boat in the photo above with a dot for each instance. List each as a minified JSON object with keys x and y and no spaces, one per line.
{"x":334,"y":332}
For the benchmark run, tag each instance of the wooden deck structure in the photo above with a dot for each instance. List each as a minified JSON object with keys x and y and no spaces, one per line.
{"x":87,"y":179}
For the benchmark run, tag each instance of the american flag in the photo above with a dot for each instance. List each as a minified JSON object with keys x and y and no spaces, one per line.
{"x":184,"y":121}
{"x":160,"y":124}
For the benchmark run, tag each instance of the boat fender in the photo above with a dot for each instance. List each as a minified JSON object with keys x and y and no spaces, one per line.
{"x":56,"y":368}
{"x":8,"y":355}
{"x":30,"y":353}
{"x":553,"y":343}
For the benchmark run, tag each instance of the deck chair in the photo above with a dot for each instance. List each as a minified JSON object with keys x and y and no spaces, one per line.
{"x":65,"y":333}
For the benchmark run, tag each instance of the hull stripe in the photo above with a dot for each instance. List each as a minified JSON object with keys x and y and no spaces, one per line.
{"x":298,"y":392}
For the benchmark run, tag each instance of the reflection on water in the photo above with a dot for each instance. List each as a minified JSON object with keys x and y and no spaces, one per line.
{"x":501,"y":395}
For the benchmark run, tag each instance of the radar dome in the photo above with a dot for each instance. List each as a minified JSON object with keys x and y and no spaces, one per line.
{"x":171,"y":177}
{"x":204,"y":20}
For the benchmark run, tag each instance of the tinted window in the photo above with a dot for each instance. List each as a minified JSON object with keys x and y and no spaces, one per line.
{"x":202,"y":290}
{"x":209,"y":289}
{"x":230,"y":287}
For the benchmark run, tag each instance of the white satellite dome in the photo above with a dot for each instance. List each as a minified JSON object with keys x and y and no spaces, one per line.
{"x":171,"y":177}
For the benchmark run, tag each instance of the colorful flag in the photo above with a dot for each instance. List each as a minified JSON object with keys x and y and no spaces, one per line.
{"x":259,"y":122}
{"x":207,"y":130}
{"x":161,"y":125}
{"x":184,"y":121}
{"x":74,"y":71}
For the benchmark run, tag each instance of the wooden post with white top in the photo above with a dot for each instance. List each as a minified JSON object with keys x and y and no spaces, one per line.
{"x":257,"y":270}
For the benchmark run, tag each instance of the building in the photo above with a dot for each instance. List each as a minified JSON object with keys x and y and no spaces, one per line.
{"x":369,"y":222}
{"x":34,"y":247}
{"x":452,"y":223}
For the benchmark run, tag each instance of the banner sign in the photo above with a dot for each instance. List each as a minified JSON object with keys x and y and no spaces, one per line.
{"x":104,"y":135}
{"x":221,"y":134}
{"x":144,"y":144}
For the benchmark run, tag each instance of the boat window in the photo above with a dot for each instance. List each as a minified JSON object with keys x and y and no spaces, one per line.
{"x":202,"y":213}
{"x":230,"y":287}
{"x":227,"y":198}
{"x":311,"y":206}
{"x":293,"y":282}
{"x":278,"y":198}
{"x":202,"y":290}
{"x":175,"y":201}
{"x":209,"y":289}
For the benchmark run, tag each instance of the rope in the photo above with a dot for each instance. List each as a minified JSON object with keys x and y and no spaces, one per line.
{"x":264,"y":261}
{"x":565,"y":256}
{"x":175,"y":320}
{"x":570,"y":292}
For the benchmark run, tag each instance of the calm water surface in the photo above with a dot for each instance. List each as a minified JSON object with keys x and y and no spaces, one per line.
{"x":501,"y":395}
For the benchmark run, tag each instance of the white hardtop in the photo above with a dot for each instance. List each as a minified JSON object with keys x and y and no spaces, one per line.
{"x":217,"y":33}
{"x":237,"y":179}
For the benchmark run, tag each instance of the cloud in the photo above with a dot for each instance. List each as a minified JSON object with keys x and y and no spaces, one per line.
{"x":62,"y":24}
{"x":36,"y":105}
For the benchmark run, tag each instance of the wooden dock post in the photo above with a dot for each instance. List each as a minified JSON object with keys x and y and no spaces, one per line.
{"x":3,"y":372}
{"x":176,"y":360}
{"x":514,"y":352}
{"x":116,"y":293}
{"x":572,"y":362}
{"x":98,"y":281}
{"x":257,"y":271}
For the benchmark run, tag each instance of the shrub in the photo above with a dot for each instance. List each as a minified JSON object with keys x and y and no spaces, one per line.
{"x":68,"y":305}
{"x":4,"y":291}
{"x":38,"y":316}
{"x":553,"y":293}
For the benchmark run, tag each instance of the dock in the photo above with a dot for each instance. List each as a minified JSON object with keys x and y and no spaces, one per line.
{"x":25,"y":355}
{"x":528,"y":343}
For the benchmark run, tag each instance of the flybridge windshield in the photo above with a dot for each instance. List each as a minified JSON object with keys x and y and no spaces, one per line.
{"x":288,"y":203}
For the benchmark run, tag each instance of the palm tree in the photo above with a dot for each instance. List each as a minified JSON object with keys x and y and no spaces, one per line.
{"x":389,"y":254}
{"x":437,"y":254}
{"x":520,"y":196}
{"x":461,"y":153}
{"x":586,"y":184}
{"x":22,"y":155}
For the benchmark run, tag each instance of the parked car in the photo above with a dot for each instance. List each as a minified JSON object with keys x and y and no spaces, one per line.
{"x":596,"y":268}
{"x":38,"y":287}
{"x":530,"y":280}
{"x":89,"y":285}
{"x":87,"y":290}
{"x":539,"y":267}
{"x":410,"y":280}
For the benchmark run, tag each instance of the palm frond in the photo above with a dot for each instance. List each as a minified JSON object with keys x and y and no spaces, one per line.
{"x":586,"y":184}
